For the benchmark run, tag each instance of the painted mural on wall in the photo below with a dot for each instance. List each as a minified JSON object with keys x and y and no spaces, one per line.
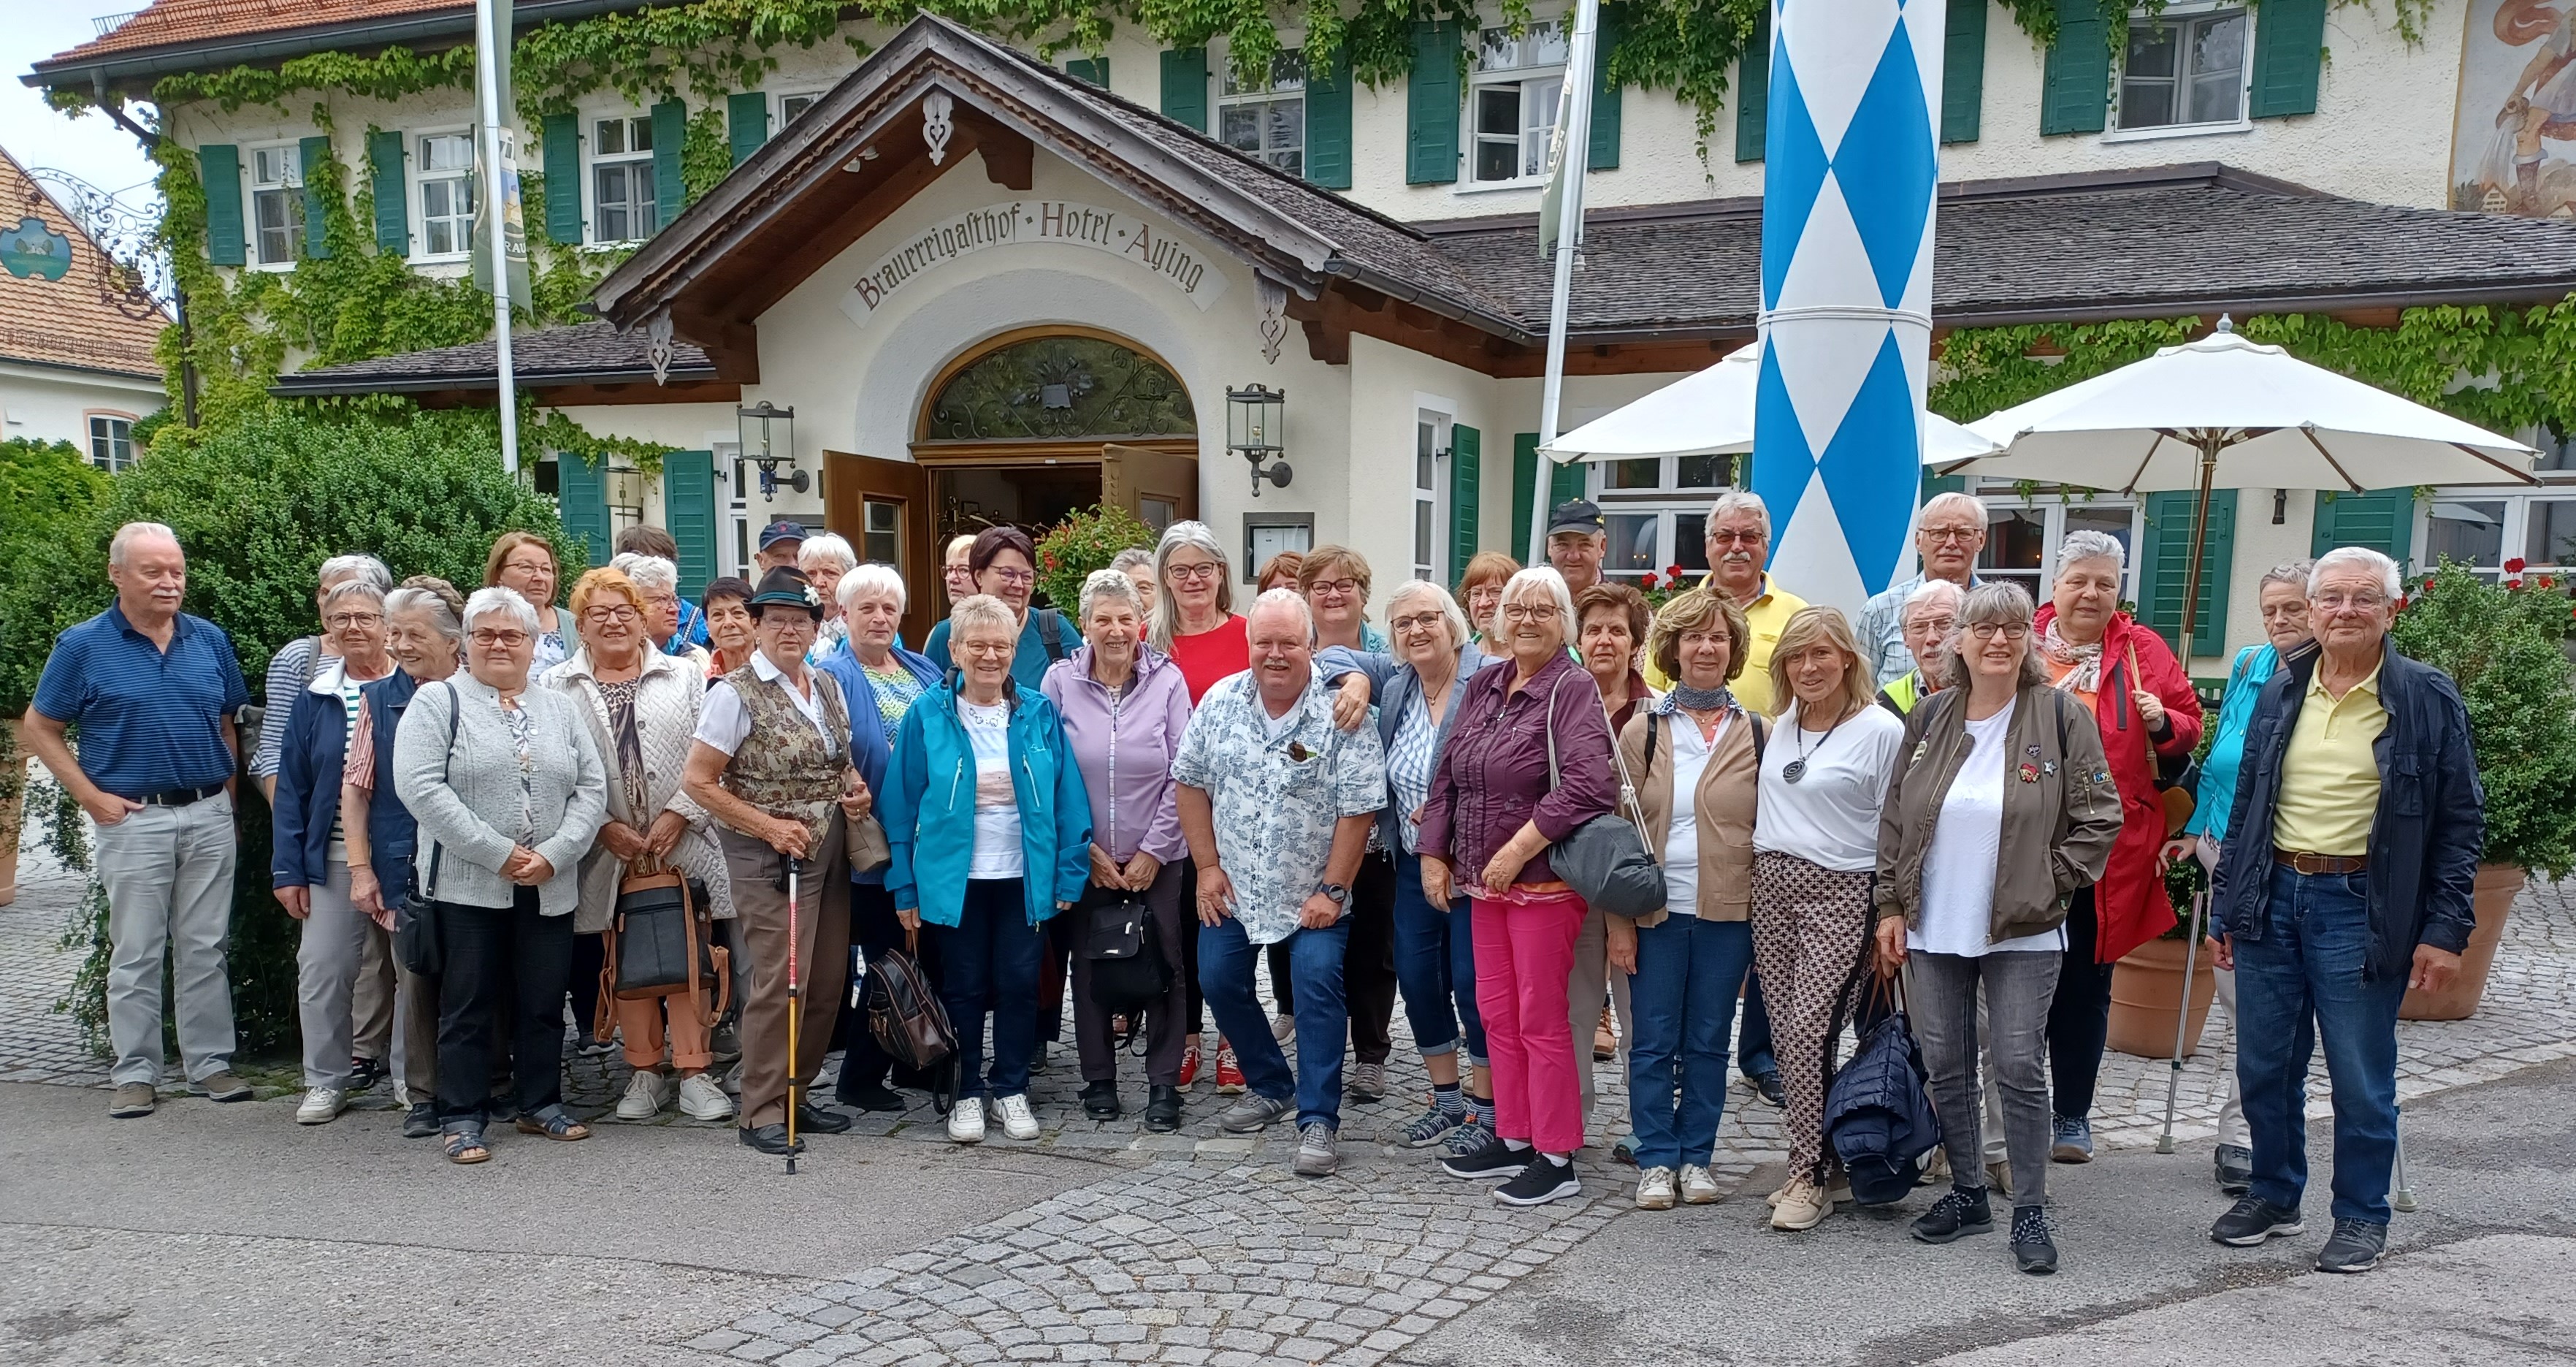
{"x":2513,"y":143}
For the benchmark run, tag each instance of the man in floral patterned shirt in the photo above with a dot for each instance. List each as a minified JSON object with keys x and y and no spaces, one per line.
{"x":1277,"y":806}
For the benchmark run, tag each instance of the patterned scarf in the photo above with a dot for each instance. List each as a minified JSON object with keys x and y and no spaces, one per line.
{"x":2087,"y":659}
{"x":1683,"y":696}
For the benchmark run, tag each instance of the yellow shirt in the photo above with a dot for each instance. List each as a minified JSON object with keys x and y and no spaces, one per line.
{"x":2330,"y":773}
{"x":1765,"y":616}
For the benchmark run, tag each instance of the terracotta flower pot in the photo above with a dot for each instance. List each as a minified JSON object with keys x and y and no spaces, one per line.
{"x":2147,"y":998}
{"x":2497,"y":886}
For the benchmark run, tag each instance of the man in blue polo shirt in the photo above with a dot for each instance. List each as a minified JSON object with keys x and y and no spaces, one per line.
{"x":153,"y":691}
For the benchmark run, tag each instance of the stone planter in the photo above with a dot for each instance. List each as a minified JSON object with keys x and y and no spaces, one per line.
{"x":2497,"y":886}
{"x":2147,"y":998}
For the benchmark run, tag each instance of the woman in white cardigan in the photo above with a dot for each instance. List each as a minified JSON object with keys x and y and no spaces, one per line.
{"x":507,"y":787}
{"x":642,"y":708}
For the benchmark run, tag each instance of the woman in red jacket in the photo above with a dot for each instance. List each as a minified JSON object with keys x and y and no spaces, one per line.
{"x":2134,"y":687}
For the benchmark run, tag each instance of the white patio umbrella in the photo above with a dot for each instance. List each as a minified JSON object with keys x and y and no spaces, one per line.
{"x":2227,"y":412}
{"x":1711,"y":414}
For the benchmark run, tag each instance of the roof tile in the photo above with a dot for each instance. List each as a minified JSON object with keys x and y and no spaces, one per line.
{"x":70,"y":321}
{"x":175,"y":23}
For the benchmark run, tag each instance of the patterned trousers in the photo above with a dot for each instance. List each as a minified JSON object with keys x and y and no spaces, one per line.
{"x":1810,"y":944}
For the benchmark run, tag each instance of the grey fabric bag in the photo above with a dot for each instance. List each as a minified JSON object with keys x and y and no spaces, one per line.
{"x":1605,"y":860}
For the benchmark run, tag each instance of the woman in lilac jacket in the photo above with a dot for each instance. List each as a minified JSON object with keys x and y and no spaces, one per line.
{"x":1124,"y":708}
{"x":1493,"y":812}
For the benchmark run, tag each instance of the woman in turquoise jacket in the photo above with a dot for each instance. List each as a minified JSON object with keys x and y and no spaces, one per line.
{"x":990,"y":827}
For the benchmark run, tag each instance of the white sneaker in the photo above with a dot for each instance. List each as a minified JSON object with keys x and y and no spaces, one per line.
{"x":702,"y":1099}
{"x":1018,"y":1121}
{"x":645,"y":1093}
{"x":321,"y":1106}
{"x":732,"y":1082}
{"x":1803,"y":1205}
{"x":1283,"y":1028}
{"x":1655,"y":1189}
{"x":966,"y":1121}
{"x":1698,"y":1187}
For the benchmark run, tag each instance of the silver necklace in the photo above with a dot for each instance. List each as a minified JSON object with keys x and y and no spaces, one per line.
{"x":1796,"y":769}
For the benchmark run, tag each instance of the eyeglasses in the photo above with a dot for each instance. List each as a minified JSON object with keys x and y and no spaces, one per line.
{"x":2009,"y":631}
{"x":1192,"y":572}
{"x":1529,"y":612}
{"x":1961,"y":535}
{"x":1718,"y":538}
{"x":1933,"y":626}
{"x":614,"y":612}
{"x":506,"y":640}
{"x":1420,"y":621}
{"x":340,"y":621}
{"x":2358,"y":602}
{"x":1014,"y":576}
{"x":529,"y":566}
{"x":1339,"y":588}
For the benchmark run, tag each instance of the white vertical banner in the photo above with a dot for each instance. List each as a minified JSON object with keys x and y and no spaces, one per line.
{"x":502,"y":234}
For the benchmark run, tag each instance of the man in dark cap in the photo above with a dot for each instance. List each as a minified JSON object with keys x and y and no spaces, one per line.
{"x":1577,"y":537}
{"x":779,"y":543}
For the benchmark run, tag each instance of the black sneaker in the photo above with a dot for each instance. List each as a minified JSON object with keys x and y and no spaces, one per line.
{"x":2355,"y":1246}
{"x":421,"y":1121}
{"x":1163,"y":1109}
{"x":1494,"y":1161}
{"x":1542,"y":1179}
{"x":2252,"y":1220}
{"x":2032,"y":1248}
{"x":1961,"y":1211}
{"x":1768,"y":1084}
{"x":1100,"y":1100}
{"x":365,"y":1072}
{"x":2235,"y":1169}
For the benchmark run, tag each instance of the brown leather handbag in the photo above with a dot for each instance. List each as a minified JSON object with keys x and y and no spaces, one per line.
{"x":906,"y":1016}
{"x":660,"y":943}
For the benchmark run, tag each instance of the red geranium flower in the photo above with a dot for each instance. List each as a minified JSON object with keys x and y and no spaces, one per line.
{"x":2514,"y":583}
{"x":2548,"y":582}
{"x":1674,"y":572}
{"x":2513,"y":566}
{"x":1646,"y":580}
{"x":1049,"y":558}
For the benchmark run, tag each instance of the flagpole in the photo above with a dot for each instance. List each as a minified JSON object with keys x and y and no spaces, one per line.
{"x":488,"y":95}
{"x":1574,"y":147}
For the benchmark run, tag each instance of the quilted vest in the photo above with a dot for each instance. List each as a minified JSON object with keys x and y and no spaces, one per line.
{"x":783,"y":767}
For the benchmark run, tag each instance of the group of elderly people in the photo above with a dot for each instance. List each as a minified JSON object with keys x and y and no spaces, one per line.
{"x":1964,"y":792}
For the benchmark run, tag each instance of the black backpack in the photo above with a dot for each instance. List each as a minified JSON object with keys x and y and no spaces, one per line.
{"x":1128,"y":972}
{"x":1051,"y":633}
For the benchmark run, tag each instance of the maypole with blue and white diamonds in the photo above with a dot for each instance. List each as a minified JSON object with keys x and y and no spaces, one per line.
{"x":1850,"y":162}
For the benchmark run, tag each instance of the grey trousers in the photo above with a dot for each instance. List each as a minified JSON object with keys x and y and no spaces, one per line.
{"x":1586,"y":988}
{"x":1942,"y":1002}
{"x":371,"y":1000}
{"x":168,"y":872}
{"x":416,"y":1048}
{"x":2231,"y":1113}
{"x":1994,"y":1102}
{"x":334,"y":942}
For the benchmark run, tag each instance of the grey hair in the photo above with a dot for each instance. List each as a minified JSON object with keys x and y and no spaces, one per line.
{"x":2287,"y":572}
{"x":365,"y":567}
{"x":353,"y":588}
{"x":131,"y":532}
{"x":1742,"y":501}
{"x":649,"y":573}
{"x":1284,"y":596}
{"x":872,"y":578}
{"x":828,"y":547}
{"x":1109,"y":583}
{"x":1167,"y":605}
{"x":1996,"y":600}
{"x":2391,"y":582}
{"x":1132,"y":557}
{"x":506,"y":602}
{"x":980,"y":610}
{"x":441,"y":619}
{"x":2080,"y":546}
{"x":1949,"y":499}
{"x":1451,"y":615}
{"x":1541,"y":579}
{"x":1929,"y":592}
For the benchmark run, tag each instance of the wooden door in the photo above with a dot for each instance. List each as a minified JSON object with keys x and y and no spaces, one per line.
{"x":883,"y":508}
{"x":1158,"y":487}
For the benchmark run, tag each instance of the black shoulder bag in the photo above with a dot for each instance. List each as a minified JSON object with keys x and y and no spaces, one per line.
{"x":416,"y":945}
{"x":1605,"y":860}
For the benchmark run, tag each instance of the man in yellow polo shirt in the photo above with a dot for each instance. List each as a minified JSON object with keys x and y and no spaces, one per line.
{"x":2345,"y":880}
{"x":1738,"y":540}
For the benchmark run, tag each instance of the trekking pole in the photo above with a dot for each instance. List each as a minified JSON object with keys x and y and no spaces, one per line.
{"x":2404,"y":1197}
{"x":795,"y":1004}
{"x":2182,"y":1022}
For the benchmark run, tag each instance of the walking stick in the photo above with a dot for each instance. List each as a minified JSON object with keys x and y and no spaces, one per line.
{"x":2182,"y":1023}
{"x":795,"y":1008}
{"x":2404,"y":1197}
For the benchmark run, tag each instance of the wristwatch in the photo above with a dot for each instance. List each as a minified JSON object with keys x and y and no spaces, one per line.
{"x":1340,"y":893}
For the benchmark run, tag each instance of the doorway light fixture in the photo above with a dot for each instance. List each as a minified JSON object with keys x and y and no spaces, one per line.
{"x":1256,"y":424}
{"x":769,"y":441}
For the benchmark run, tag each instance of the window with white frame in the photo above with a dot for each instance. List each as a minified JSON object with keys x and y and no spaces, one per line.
{"x":1655,"y":512}
{"x":111,"y":441}
{"x":1266,"y":119}
{"x":277,"y":204}
{"x":1430,"y":463}
{"x":622,"y":203}
{"x":2486,"y":530}
{"x":2185,"y":67}
{"x":1512,"y":101}
{"x":2023,"y":533}
{"x":792,"y":107}
{"x":444,"y":171}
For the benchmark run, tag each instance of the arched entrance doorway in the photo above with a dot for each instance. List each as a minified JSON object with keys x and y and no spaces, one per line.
{"x":1021,"y":430}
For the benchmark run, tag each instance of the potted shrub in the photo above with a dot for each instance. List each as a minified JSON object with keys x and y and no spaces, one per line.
{"x":2504,"y":642}
{"x":1087,"y":540}
{"x":2148,"y":994}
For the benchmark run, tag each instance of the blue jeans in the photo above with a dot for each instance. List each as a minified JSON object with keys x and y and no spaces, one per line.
{"x":1435,"y":965}
{"x":2300,"y":983}
{"x":1226,"y":957}
{"x":989,"y":961}
{"x":1683,"y":1000}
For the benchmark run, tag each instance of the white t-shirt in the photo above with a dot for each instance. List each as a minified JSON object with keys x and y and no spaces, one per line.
{"x":1829,"y":817}
{"x":1967,"y":842}
{"x":997,"y":805}
{"x":725,"y":723}
{"x":1681,"y":839}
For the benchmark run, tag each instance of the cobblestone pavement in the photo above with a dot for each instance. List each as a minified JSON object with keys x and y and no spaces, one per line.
{"x":1198,"y":1247}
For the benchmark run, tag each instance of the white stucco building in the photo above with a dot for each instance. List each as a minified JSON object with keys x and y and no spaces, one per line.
{"x":76,"y":360}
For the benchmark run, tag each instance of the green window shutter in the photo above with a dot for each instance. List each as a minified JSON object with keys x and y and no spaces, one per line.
{"x":1328,"y":125}
{"x":689,"y":515}
{"x":581,"y":501}
{"x":1094,"y":70}
{"x":670,"y":191}
{"x":1604,"y":155}
{"x":1563,"y":482}
{"x":2289,"y":46}
{"x":1185,"y":86}
{"x":2075,"y":86}
{"x":746,"y":123}
{"x":1936,"y":485}
{"x":1431,"y":106}
{"x":393,"y":208}
{"x":312,"y":154}
{"x":1753,"y":90}
{"x":2383,"y":521}
{"x":1963,"y":69}
{"x":562,"y":138}
{"x":2164,"y":567}
{"x":219,"y":167}
{"x":1466,"y":472}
